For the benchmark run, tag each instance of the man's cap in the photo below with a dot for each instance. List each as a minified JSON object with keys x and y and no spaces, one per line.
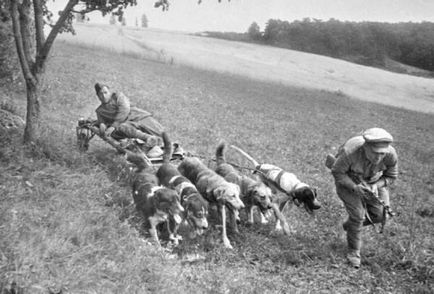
{"x":378,"y":139}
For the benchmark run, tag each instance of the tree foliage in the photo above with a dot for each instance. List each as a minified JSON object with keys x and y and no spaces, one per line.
{"x":254,"y":31}
{"x":364,"y":42}
{"x":9,"y":65}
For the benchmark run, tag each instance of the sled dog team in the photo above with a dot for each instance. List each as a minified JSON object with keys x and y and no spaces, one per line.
{"x":174,"y":194}
{"x":363,"y":169}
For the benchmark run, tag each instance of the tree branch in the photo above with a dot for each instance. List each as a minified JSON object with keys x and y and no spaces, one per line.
{"x":16,"y":26}
{"x":84,"y":11}
{"x":39,"y":25}
{"x":42,"y":55}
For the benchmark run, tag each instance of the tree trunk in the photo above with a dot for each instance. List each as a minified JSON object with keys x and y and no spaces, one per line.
{"x":32,"y":117}
{"x":21,"y":22}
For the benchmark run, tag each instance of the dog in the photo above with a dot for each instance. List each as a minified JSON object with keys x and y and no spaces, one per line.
{"x":252,"y":192}
{"x":195,"y":206}
{"x":213,"y":188}
{"x":287,"y":183}
{"x":154,"y":202}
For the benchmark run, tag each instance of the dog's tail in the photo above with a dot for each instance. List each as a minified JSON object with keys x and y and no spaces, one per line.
{"x":220,"y":153}
{"x":255,"y":163}
{"x":168,"y":148}
{"x":138,"y":159}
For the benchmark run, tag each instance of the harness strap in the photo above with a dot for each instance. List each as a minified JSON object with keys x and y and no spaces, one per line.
{"x":188,"y":197}
{"x":180,"y":188}
{"x":300,"y":185}
{"x":174,"y":179}
{"x":383,"y":221}
{"x":279,"y":177}
{"x":144,"y":185}
{"x":367,"y":216}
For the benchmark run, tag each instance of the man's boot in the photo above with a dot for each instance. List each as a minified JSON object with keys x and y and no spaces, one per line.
{"x":353,"y":257}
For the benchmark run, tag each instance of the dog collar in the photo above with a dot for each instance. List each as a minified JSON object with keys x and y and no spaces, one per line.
{"x":180,"y":188}
{"x":300,"y":185}
{"x":173,"y":179}
{"x":155,"y":189}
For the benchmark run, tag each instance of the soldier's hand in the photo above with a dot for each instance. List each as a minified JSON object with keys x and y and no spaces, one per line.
{"x":109,"y":131}
{"x":102,"y":128}
{"x":363,"y":191}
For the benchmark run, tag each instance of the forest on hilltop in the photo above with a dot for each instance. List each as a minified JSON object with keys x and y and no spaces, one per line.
{"x":367,"y":43}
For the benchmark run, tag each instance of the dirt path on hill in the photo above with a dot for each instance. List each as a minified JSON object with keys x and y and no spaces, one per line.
{"x":266,"y":63}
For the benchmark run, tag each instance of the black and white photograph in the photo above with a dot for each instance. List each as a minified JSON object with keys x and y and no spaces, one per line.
{"x":216,"y":146}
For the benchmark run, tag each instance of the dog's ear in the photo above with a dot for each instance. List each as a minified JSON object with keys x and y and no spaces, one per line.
{"x":155,"y":200}
{"x":219,"y":193}
{"x":297,"y":201}
{"x":298,"y":196}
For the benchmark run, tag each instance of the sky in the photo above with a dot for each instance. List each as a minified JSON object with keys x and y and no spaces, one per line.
{"x":238,"y":15}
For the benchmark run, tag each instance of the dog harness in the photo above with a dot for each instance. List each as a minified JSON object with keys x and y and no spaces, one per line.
{"x":288,"y":182}
{"x":153,"y":190}
{"x":180,"y":187}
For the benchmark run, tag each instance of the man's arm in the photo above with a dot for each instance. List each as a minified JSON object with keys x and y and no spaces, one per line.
{"x":340,"y":171}
{"x":123,"y":104}
{"x":391,"y":172}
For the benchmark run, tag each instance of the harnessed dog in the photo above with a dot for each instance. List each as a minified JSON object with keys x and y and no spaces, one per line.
{"x":195,"y":206}
{"x":287,"y":183}
{"x":156,"y":203}
{"x":253,"y":192}
{"x":213,"y":188}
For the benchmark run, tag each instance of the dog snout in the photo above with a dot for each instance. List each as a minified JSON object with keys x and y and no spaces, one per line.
{"x":315,"y":204}
{"x":204,"y":224}
{"x":240,"y":204}
{"x":199,"y":224}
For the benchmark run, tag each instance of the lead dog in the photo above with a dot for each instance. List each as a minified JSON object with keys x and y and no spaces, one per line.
{"x":213,"y":188}
{"x":287,"y":183}
{"x":154,"y":202}
{"x":195,"y":206}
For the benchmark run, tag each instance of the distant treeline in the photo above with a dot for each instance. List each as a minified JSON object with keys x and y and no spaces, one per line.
{"x":368,"y":43}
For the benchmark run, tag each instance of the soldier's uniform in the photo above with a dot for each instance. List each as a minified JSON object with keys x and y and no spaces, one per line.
{"x":352,"y":168}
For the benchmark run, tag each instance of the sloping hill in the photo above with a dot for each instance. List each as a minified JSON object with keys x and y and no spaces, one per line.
{"x":265,"y":63}
{"x":67,"y":219}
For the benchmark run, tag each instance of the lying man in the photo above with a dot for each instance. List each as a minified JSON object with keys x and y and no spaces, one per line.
{"x":117,"y":118}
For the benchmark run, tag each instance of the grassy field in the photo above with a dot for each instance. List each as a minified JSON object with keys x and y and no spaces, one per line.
{"x":68,"y":224}
{"x":264,"y":63}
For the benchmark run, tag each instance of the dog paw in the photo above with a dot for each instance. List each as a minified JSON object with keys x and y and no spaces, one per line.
{"x":278,"y":227}
{"x":227,"y":243}
{"x":264,"y":221}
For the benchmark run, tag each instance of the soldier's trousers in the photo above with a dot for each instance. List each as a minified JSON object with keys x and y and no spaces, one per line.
{"x":356,"y":209}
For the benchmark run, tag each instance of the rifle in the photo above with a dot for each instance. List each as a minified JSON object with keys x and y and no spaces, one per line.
{"x":372,"y":196}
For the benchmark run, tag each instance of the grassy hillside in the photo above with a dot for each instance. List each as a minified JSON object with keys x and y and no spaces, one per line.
{"x":263,"y":63}
{"x":68,"y":222}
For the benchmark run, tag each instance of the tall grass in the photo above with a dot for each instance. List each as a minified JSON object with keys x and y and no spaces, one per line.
{"x":68,"y":222}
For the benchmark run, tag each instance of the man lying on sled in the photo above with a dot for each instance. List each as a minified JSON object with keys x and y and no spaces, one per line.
{"x":117,"y":118}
